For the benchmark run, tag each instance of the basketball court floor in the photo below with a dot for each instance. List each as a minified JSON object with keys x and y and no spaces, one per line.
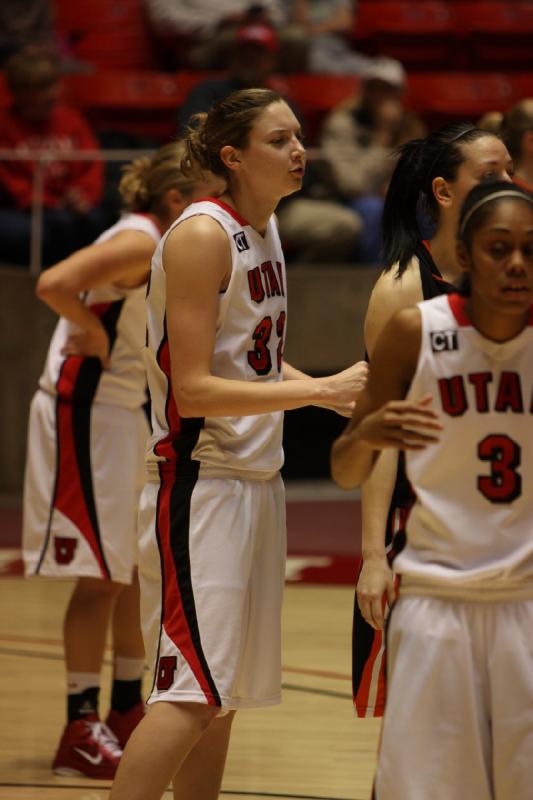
{"x":312,"y":747}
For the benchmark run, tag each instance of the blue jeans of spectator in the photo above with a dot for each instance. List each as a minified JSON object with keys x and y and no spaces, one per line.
{"x":64,"y":231}
{"x":370,"y":209}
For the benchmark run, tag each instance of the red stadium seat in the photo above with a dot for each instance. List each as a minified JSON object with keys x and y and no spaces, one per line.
{"x":419,"y":34}
{"x":495,"y":35}
{"x":115,"y":49}
{"x":73,"y":16}
{"x":316,"y":95}
{"x":320,"y":92}
{"x":107,"y":33}
{"x":135,"y":90}
{"x":145,"y":103}
{"x":134,"y":102}
{"x":444,"y":96}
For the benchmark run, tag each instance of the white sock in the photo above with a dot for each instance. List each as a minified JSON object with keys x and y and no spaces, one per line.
{"x":77,"y":682}
{"x":128,"y":669}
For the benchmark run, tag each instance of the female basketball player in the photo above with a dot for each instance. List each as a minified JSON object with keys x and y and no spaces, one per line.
{"x":460,"y":664}
{"x":432,"y":176}
{"x":86,"y":445}
{"x":213,"y":518}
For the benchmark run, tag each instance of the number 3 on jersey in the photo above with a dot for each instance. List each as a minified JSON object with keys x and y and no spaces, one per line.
{"x":259,"y":358}
{"x":504,"y":484}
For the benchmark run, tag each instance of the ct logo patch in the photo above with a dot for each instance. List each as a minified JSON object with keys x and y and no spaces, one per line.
{"x":444,"y":340}
{"x":241,"y":241}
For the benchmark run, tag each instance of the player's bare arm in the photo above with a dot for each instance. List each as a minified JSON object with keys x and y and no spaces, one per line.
{"x":122,"y":260}
{"x":390,"y":294}
{"x":195,"y":278}
{"x":382,"y":419}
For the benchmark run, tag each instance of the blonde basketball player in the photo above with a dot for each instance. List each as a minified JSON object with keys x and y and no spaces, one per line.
{"x":458,"y":717}
{"x":85,"y":464}
{"x":213,"y":518}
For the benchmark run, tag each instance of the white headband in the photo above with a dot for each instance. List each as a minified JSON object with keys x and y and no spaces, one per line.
{"x":495,"y":196}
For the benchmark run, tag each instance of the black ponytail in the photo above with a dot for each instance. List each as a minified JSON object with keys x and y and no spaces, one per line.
{"x":419,"y":162}
{"x":399,"y":222}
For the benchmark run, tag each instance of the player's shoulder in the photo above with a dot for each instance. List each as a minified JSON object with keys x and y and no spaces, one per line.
{"x":392,"y":292}
{"x":197,"y":247}
{"x":200,"y":225}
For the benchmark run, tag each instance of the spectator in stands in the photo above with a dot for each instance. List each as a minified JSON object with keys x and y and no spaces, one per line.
{"x":201,"y":32}
{"x":23,"y":24}
{"x":38,"y":120}
{"x":359,"y":138}
{"x":491,"y":122}
{"x":315,"y":229}
{"x":327,"y":26}
{"x":252,"y":64}
{"x":312,"y":227}
{"x":517,"y":133}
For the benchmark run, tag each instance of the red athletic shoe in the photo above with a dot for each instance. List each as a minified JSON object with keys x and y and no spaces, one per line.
{"x":122,"y":725}
{"x":88,"y":748}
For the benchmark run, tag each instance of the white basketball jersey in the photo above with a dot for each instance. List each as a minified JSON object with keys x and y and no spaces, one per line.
{"x":123,"y":314}
{"x":250,"y":331}
{"x":472,"y":525}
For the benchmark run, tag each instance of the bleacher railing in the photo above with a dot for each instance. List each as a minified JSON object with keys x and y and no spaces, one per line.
{"x":42,"y":158}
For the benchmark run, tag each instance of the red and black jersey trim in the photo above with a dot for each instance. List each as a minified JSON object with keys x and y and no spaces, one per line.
{"x":164,"y":446}
{"x":458,"y":304}
{"x":73,"y":494}
{"x":229,"y":210}
{"x":79,"y":376}
{"x":433,"y":284}
{"x":366,"y":648}
{"x":180,"y":441}
{"x":386,"y":636}
{"x":368,"y":651}
{"x":178,"y":617}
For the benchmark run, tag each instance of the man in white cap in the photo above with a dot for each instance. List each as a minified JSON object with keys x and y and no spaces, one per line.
{"x":358,"y":139}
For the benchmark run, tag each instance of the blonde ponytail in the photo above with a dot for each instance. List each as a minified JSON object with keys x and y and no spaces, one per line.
{"x":146,"y":180}
{"x":133,"y":185}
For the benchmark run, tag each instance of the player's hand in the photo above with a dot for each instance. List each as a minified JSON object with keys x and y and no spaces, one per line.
{"x":375,"y":590}
{"x":94,"y":342}
{"x":402,"y":424}
{"x":346,"y":386}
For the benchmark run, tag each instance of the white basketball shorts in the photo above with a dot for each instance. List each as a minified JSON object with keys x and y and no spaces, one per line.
{"x":458,"y":719}
{"x":84,"y":475}
{"x":212,"y":563}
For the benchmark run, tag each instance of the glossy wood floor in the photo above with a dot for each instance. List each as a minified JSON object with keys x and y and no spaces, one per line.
{"x":311,"y":747}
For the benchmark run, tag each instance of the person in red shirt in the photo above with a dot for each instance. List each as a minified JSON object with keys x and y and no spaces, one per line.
{"x":37,"y":119}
